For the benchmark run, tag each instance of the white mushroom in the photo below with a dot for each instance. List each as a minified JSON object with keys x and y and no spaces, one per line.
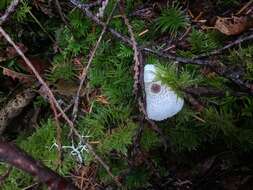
{"x":162,"y":102}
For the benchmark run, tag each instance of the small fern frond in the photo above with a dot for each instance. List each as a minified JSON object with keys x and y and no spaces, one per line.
{"x":22,"y":12}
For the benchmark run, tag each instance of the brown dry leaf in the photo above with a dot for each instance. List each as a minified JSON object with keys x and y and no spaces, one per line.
{"x":19,"y":76}
{"x":102,"y":99}
{"x":232,"y":25}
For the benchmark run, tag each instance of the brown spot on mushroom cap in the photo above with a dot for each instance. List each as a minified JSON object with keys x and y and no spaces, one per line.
{"x":155,"y":88}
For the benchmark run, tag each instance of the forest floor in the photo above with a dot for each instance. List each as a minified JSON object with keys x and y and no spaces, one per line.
{"x":80,"y":111}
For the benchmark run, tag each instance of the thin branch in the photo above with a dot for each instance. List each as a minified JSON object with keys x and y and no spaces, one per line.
{"x":12,"y":7}
{"x":53,"y":100}
{"x":138,"y":76}
{"x":196,"y":104}
{"x":209,"y":92}
{"x":89,"y":14}
{"x":134,"y":46}
{"x":90,"y":5}
{"x":58,"y":5}
{"x":232,"y":44}
{"x":85,"y":69}
{"x":16,"y":157}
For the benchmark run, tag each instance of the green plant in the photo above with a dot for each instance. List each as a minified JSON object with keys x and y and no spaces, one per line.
{"x":22,"y":12}
{"x":175,"y":78}
{"x":4,"y":3}
{"x":119,"y":139}
{"x":61,"y":69}
{"x":172,"y":20}
{"x":242,"y":57}
{"x":202,"y":42}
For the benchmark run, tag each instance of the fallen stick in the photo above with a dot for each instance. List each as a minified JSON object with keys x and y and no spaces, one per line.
{"x":16,"y":157}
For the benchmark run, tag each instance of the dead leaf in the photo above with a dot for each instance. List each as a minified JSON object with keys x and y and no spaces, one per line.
{"x":102,"y":99}
{"x":232,"y":25}
{"x":19,"y":76}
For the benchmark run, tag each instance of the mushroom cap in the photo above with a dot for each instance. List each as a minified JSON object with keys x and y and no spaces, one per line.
{"x":162,"y":102}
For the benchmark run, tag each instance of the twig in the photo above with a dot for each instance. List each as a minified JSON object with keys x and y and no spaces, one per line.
{"x":134,"y":46}
{"x":194,"y":102}
{"x":244,"y":7}
{"x":89,"y":5}
{"x":138,"y":76}
{"x":53,"y":100}
{"x":66,"y":108}
{"x":85,"y":69}
{"x":41,"y":27}
{"x":234,"y":77}
{"x":12,"y":7}
{"x":16,"y":157}
{"x":31,"y":186}
{"x":206,"y":91}
{"x":87,"y":12}
{"x":57,"y":3}
{"x":232,"y":44}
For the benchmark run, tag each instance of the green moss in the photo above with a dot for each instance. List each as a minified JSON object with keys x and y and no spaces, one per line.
{"x":175,"y":78}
